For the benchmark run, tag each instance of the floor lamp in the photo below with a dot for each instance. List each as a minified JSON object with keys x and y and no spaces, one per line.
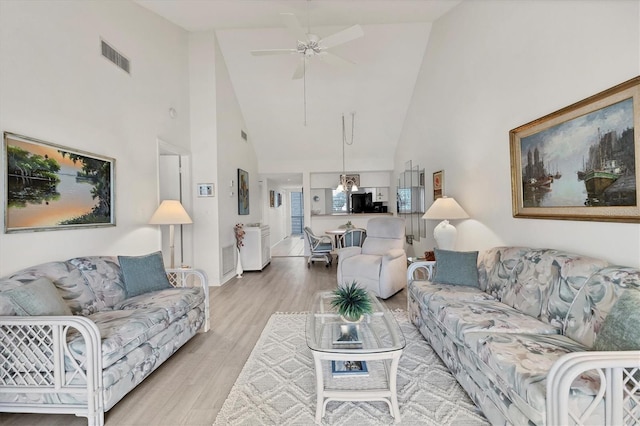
{"x":448,"y":209}
{"x":170,"y":212}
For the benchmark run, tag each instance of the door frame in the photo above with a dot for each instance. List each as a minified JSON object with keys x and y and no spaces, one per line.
{"x":185,"y":256}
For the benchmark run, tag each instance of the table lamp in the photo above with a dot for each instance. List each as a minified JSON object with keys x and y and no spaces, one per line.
{"x":448,"y":209}
{"x":170,"y":212}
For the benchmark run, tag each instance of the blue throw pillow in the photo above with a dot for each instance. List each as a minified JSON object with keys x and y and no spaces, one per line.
{"x":620,"y":330}
{"x":457,"y":267}
{"x":142,"y":274}
{"x":39,"y":297}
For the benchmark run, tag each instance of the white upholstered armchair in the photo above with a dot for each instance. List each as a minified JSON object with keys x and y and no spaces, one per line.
{"x":380,"y":265}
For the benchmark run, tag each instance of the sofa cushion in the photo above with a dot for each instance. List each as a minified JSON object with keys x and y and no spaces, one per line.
{"x":621,"y":328}
{"x":136,"y":320}
{"x":518,"y":365}
{"x":545,"y":282}
{"x":66,"y":277}
{"x":456,"y":267}
{"x":461,"y":317}
{"x":595,"y":299}
{"x":103,"y":276}
{"x":175,"y":301}
{"x":143,"y":274}
{"x":495,"y":267}
{"x":425,"y":291}
{"x":38,"y":297}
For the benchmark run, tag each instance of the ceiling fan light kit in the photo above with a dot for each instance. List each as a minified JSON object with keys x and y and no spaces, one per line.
{"x":309,"y":45}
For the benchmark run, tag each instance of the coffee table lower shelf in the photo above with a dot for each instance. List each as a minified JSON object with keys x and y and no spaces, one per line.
{"x":379,"y":386}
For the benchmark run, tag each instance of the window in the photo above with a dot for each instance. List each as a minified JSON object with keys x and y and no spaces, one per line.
{"x":340,"y":200}
{"x":404,"y":200}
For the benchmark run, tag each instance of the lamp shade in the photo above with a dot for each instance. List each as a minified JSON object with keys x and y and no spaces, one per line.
{"x":170,"y":212}
{"x":445,"y":208}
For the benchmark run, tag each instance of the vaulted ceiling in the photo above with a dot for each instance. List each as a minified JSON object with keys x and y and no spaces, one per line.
{"x":377,"y":88}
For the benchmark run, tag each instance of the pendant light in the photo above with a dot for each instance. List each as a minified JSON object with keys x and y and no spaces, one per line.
{"x":345,"y":183}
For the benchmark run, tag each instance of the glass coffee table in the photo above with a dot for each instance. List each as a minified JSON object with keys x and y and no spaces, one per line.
{"x":354,"y":361}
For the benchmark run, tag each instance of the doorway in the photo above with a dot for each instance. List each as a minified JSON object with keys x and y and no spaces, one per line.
{"x":173,"y":184}
{"x":297,"y":213}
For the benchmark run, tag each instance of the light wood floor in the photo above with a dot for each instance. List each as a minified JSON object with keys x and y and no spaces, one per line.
{"x":191,"y":386}
{"x":293,"y":245}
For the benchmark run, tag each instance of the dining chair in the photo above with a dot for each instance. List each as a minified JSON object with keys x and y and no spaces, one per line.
{"x":353,"y":237}
{"x":321,"y":247}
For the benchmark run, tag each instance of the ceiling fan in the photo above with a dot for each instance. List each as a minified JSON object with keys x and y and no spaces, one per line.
{"x":310,"y":45}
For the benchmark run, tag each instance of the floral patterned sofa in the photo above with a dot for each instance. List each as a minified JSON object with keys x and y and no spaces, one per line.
{"x":92,"y":339}
{"x":522,"y":342}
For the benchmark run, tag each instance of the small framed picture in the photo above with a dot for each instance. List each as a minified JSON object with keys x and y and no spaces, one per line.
{"x":438,"y":184}
{"x":206,"y":190}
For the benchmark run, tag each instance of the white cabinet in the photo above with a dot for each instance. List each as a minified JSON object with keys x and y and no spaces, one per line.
{"x":256,"y":252}
{"x":379,"y":194}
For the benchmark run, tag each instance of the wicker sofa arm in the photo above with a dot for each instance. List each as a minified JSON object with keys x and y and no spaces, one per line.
{"x":619,"y":389}
{"x":187,"y":277}
{"x":34,"y":355}
{"x":426,"y":266}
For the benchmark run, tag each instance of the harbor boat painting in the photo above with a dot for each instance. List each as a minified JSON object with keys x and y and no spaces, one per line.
{"x":580,"y":163}
{"x":51,"y":187}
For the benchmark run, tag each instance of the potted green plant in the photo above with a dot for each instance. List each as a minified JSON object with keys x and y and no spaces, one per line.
{"x":351,"y":301}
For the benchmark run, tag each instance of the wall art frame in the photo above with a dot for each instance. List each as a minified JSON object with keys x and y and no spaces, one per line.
{"x":54,"y":187}
{"x":438,"y":184}
{"x":243,"y":192}
{"x":272,"y":198}
{"x":206,"y":190}
{"x":580,"y":162}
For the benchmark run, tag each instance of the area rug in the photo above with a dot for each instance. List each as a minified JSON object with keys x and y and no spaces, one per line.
{"x":277,"y":385}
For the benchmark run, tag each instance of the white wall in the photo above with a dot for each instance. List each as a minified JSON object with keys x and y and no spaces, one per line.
{"x":491,"y":66}
{"x":57,"y":87}
{"x":218,"y":152}
{"x":233,"y":153}
{"x":202,"y":79}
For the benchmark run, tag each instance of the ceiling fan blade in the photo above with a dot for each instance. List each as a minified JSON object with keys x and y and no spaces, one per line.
{"x":340,"y":37}
{"x":300,"y":69}
{"x":273,"y":52}
{"x":291,"y":22}
{"x":332,"y":58}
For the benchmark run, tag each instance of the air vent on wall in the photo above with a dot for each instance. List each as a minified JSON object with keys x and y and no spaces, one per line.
{"x":116,"y":57}
{"x":243,"y":135}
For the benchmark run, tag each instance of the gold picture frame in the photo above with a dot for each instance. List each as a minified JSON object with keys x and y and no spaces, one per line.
{"x":582,"y":161}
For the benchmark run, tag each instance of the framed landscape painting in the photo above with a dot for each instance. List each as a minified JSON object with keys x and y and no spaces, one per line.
{"x":51,"y":187}
{"x":581,"y":162}
{"x":243,"y":192}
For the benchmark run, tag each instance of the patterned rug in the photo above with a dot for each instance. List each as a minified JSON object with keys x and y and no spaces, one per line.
{"x":277,"y":385}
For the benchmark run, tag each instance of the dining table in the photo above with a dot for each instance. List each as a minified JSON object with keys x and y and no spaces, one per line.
{"x":335,"y":235}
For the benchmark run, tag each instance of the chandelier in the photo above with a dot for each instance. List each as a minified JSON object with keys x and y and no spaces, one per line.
{"x":347,"y":182}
